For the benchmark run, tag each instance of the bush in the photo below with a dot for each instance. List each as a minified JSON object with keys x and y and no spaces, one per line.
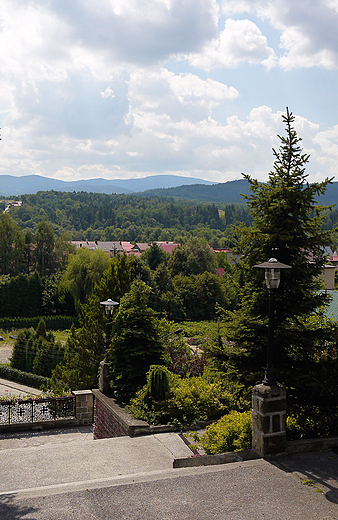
{"x":52,"y":322}
{"x":25,"y":378}
{"x":188,"y":400}
{"x":37,"y":352}
{"x":157,"y":383}
{"x":311,"y":422}
{"x":231,"y":433}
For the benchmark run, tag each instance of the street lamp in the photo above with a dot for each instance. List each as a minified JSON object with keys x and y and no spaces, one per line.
{"x":272,"y":280}
{"x":108,"y":308}
{"x":104,"y":384}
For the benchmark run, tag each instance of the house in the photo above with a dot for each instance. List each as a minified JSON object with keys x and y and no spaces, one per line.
{"x":328,"y":276}
{"x":168,"y":247}
{"x":141,"y":247}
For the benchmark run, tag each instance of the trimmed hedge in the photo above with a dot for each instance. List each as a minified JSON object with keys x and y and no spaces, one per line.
{"x":25,"y":378}
{"x":52,"y":322}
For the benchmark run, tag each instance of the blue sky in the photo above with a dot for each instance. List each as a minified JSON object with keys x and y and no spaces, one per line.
{"x":130,"y":88}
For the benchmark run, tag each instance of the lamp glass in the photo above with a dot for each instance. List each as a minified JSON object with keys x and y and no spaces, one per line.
{"x":272,"y":278}
{"x":109,"y":306}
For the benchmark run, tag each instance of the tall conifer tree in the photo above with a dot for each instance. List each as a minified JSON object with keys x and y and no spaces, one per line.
{"x":287,"y":225}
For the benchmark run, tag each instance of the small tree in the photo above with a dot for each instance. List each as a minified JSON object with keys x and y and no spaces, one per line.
{"x":135,"y":341}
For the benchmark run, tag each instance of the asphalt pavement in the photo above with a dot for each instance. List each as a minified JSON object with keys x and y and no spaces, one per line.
{"x":66,"y":475}
{"x":133,"y":478}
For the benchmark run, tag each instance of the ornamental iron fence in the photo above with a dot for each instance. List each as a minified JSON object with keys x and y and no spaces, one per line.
{"x":37,"y":410}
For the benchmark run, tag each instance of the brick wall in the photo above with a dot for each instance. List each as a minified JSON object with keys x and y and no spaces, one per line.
{"x":106,"y":424}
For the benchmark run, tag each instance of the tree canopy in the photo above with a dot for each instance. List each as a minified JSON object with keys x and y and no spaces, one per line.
{"x":288,"y":225}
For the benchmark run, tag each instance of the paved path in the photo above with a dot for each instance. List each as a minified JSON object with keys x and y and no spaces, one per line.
{"x":8,"y":388}
{"x":133,"y":479}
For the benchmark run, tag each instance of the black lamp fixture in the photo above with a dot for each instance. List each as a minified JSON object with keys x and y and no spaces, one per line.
{"x":108,"y":308}
{"x":272,"y":279}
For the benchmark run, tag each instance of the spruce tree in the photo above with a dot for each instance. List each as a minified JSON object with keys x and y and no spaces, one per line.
{"x":287,"y":225}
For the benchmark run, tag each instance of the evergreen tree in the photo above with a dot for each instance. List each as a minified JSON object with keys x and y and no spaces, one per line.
{"x":154,"y":256}
{"x":44,"y":253}
{"x":11,"y":246}
{"x":135,"y":341}
{"x":288,"y":225}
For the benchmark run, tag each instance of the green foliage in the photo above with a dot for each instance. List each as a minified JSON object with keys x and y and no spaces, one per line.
{"x":44,"y":253}
{"x":157,"y":383}
{"x":36,"y":352}
{"x":135,"y":342}
{"x":11,"y":246}
{"x":41,"y":330}
{"x":85,"y":269}
{"x":193,"y":258}
{"x":52,"y":322}
{"x":312,"y":421}
{"x":154,"y":256}
{"x":188,"y":400}
{"x":86,"y":347}
{"x":231,"y":433}
{"x":200,"y":294}
{"x":288,"y":224}
{"x":129,"y":217}
{"x":24,"y":378}
{"x":21,"y":296}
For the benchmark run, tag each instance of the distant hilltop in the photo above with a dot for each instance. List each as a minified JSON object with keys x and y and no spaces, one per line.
{"x":30,"y":184}
{"x":188,"y":188}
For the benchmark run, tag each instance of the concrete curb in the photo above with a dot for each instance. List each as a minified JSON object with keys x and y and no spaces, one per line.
{"x":293,"y":447}
{"x":210,"y":460}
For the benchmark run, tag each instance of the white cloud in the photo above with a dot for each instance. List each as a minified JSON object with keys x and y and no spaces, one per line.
{"x":241,"y":40}
{"x":308,"y":29}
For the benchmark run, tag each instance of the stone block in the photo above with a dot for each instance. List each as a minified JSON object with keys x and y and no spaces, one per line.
{"x":273,"y":405}
{"x":261,"y":422}
{"x":273,"y":444}
{"x":276,"y":423}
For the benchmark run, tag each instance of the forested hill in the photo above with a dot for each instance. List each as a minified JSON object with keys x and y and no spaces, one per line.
{"x":129,"y":217}
{"x":227,"y":192}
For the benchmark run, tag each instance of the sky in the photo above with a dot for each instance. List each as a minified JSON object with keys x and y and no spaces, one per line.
{"x":129,"y":88}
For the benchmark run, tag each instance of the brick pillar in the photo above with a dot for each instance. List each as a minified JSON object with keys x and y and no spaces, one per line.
{"x":269,"y":419}
{"x":84,"y":402}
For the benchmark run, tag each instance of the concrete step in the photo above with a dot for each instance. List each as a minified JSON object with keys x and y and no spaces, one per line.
{"x":62,"y":463}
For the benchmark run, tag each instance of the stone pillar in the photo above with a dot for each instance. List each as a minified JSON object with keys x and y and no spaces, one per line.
{"x":104,"y":383}
{"x":269,"y":419}
{"x":84,"y":402}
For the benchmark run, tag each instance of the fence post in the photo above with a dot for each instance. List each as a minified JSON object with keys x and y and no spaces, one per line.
{"x":84,"y":406}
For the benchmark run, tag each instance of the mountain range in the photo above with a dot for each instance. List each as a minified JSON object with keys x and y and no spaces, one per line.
{"x":28,"y":184}
{"x":157,"y":185}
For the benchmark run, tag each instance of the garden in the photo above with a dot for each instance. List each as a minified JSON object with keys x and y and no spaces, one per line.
{"x":186,"y":346}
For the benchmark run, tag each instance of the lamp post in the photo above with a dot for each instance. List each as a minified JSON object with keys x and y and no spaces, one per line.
{"x":104,"y":368}
{"x":272,"y":280}
{"x":108,"y":308}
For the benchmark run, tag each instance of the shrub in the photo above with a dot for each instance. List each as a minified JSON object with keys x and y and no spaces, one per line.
{"x":231,"y":433}
{"x":157,"y":383}
{"x":37,"y":352}
{"x":188,"y":400}
{"x":52,"y":322}
{"x":25,"y":378}
{"x":312,"y":421}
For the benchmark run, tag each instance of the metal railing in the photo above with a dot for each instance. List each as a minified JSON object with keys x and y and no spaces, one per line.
{"x":37,"y":410}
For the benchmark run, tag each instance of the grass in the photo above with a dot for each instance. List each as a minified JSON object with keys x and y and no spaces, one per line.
{"x":203,"y":329}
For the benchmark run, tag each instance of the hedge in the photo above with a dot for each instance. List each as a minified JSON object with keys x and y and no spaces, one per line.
{"x":25,"y":378}
{"x":52,"y":322}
